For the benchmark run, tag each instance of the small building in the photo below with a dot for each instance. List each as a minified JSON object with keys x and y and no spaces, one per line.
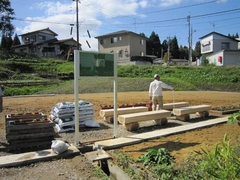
{"x":220,"y":50}
{"x":43,"y":43}
{"x":125,"y":43}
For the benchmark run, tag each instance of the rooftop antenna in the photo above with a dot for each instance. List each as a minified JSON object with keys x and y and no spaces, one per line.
{"x":213,"y":27}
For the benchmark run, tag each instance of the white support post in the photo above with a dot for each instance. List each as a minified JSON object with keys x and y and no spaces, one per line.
{"x":115,"y":96}
{"x":76,"y":77}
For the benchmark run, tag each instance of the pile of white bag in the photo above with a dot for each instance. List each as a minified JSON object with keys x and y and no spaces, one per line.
{"x":63,"y":114}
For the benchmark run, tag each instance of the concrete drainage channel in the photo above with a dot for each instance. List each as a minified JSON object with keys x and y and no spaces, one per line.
{"x":102,"y":159}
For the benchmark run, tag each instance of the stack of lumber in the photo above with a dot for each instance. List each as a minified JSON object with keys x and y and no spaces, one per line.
{"x":29,"y":130}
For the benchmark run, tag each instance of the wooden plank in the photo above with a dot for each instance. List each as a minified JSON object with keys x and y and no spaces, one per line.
{"x":36,"y":156}
{"x":27,"y":136}
{"x":26,"y":116}
{"x":30,"y":145}
{"x":171,"y":106}
{"x":28,"y":131}
{"x":143,"y":116}
{"x":29,"y":126}
{"x":128,"y":110}
{"x":191,"y":109}
{"x":22,"y":141}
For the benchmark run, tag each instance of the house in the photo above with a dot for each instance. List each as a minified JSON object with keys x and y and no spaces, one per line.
{"x":220,"y":49}
{"x":125,"y":43}
{"x":43,"y":43}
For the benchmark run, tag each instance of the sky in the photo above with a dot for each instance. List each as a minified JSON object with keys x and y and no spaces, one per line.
{"x":167,"y":18}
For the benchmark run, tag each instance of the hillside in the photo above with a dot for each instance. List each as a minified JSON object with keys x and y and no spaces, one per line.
{"x":24,"y":76}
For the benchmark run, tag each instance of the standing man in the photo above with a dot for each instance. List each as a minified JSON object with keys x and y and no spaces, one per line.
{"x":155,"y":92}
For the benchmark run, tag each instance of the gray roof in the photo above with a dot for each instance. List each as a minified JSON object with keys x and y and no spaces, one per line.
{"x":46,"y":29}
{"x":217,"y":34}
{"x":118,"y":33}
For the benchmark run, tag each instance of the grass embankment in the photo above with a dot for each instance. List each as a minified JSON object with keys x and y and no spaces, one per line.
{"x":57,"y":78}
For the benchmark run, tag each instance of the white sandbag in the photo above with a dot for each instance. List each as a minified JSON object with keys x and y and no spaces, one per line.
{"x":91,"y":123}
{"x":63,"y":129}
{"x":59,"y":146}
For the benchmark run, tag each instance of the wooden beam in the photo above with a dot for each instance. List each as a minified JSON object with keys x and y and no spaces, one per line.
{"x":171,"y":106}
{"x":143,"y":116}
{"x":128,"y":110}
{"x":191,"y":109}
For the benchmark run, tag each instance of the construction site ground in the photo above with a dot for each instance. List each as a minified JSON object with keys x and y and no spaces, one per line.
{"x":78,"y":167}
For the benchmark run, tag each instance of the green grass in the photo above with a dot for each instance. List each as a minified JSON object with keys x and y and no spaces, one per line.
{"x":130,"y":77}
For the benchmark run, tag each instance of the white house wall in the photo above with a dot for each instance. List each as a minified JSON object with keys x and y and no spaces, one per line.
{"x":119,"y":47}
{"x":233,"y":58}
{"x":229,"y":58}
{"x":215,"y":41}
{"x":218,"y":40}
{"x":128,"y":46}
{"x":207,"y":40}
{"x":214,"y":59}
{"x":138,"y":49}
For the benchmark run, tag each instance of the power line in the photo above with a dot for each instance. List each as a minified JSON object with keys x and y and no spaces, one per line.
{"x":182,"y":7}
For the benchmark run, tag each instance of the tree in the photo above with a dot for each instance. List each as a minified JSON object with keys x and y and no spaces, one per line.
{"x":183,"y":52}
{"x":165,"y":46}
{"x":174,"y":48}
{"x":154,"y":45}
{"x":3,"y":42}
{"x":6,"y":15}
{"x":9,"y":42}
{"x":142,"y":34}
{"x":197,"y":50}
{"x":16,"y":40}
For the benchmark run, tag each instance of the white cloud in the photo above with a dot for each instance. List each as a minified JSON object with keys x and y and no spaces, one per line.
{"x":222,"y":1}
{"x":143,"y":4}
{"x":52,"y":8}
{"x":58,"y":16}
{"x":167,"y":3}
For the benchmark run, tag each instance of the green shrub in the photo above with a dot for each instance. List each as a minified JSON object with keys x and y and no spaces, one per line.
{"x":234,"y":118}
{"x":160,"y":156}
{"x":223,"y":162}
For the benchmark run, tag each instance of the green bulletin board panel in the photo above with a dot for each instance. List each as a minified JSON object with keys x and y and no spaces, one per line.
{"x":96,"y":64}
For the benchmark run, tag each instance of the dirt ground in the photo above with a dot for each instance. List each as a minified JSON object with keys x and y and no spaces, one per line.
{"x":180,"y":145}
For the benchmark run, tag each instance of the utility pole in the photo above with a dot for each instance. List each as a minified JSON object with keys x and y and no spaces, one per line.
{"x":190,"y":50}
{"x":168,"y":50}
{"x":77,"y":24}
{"x":162,"y":53}
{"x":189,"y":40}
{"x":191,"y":35}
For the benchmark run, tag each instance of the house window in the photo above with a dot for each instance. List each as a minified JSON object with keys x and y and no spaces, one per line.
{"x":34,"y":49}
{"x":119,"y":38}
{"x":141,"y":41}
{"x":27,"y":39}
{"x":33,"y":38}
{"x":42,"y":37}
{"x":114,"y":39}
{"x":23,"y":50}
{"x":206,"y":46}
{"x":120,"y":53}
{"x":225,"y":45}
{"x":102,"y":41}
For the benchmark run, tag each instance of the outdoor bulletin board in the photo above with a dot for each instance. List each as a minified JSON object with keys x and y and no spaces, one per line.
{"x":96,"y":64}
{"x":92,"y":65}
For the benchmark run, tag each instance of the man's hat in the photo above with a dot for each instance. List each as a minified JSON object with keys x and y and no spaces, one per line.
{"x":156,"y":75}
